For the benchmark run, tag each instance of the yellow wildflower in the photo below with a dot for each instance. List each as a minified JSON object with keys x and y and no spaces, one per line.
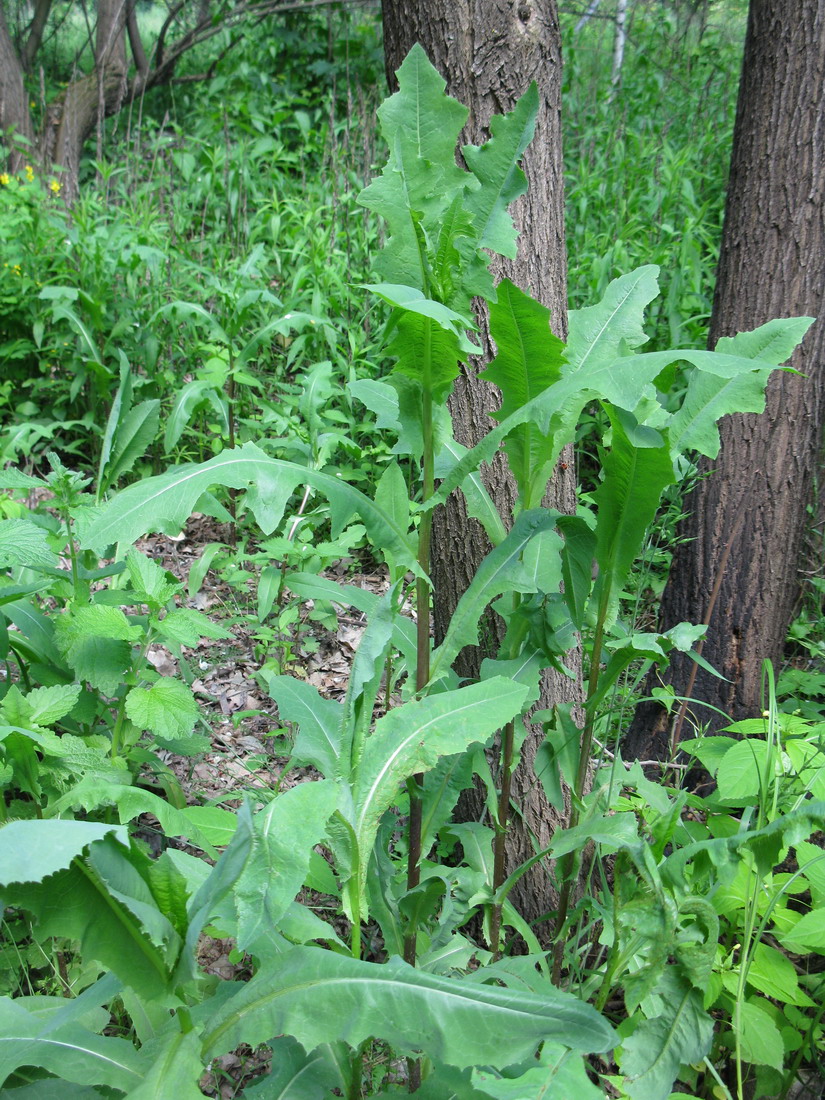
{"x":29,"y":172}
{"x":54,"y":187}
{"x":4,"y":179}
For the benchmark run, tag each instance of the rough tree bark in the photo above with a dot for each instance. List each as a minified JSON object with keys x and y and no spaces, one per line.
{"x":747,"y":520}
{"x":489,"y":51}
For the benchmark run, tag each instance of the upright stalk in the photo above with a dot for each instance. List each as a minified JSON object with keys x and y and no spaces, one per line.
{"x":577,"y":794}
{"x":422,"y":672}
{"x":508,"y":738}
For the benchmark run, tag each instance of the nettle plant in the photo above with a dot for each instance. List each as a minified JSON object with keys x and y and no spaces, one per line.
{"x":402,"y":876}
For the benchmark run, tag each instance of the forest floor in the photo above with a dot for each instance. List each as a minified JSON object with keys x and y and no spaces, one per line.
{"x":250,"y":747}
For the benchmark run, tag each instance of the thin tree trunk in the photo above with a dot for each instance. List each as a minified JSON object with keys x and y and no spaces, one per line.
{"x":489,"y":51}
{"x":748,"y":519}
{"x":619,"y":40}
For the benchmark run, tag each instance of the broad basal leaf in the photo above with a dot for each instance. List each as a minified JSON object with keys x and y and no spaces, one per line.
{"x":175,"y":1066}
{"x":74,"y":903}
{"x":32,"y":850}
{"x":296,"y":1075}
{"x":411,"y":738}
{"x":319,"y":997}
{"x":92,"y":793}
{"x":560,"y":1075}
{"x":71,"y":1053}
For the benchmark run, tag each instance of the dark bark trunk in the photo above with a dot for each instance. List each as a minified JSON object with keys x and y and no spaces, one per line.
{"x":38,"y":25}
{"x":14,"y":105}
{"x":747,"y":520}
{"x":489,"y":52}
{"x":87,"y":102}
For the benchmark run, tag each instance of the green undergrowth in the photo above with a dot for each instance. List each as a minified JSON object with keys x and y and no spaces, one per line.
{"x":381,"y":949}
{"x":265,"y":308}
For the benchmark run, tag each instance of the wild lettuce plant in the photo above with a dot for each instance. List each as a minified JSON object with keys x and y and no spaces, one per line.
{"x":408,"y":878}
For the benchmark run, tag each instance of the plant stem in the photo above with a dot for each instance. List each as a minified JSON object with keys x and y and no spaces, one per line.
{"x":507,"y":742}
{"x":422,"y":673}
{"x":577,"y":794}
{"x":422,"y":676}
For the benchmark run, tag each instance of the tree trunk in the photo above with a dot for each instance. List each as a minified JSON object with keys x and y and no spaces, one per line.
{"x":14,"y":106}
{"x":747,"y":520}
{"x":489,"y":51}
{"x":84,"y":105}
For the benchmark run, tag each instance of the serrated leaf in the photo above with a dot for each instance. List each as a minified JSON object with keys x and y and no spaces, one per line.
{"x":744,"y":770}
{"x":185,"y":626}
{"x":677,"y":1031}
{"x":96,"y":641}
{"x":49,"y":704}
{"x":166,"y":708}
{"x":808,"y":934}
{"x":318,"y":998}
{"x":761,"y":1042}
{"x":152,"y":583}
{"x":24,"y":543}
